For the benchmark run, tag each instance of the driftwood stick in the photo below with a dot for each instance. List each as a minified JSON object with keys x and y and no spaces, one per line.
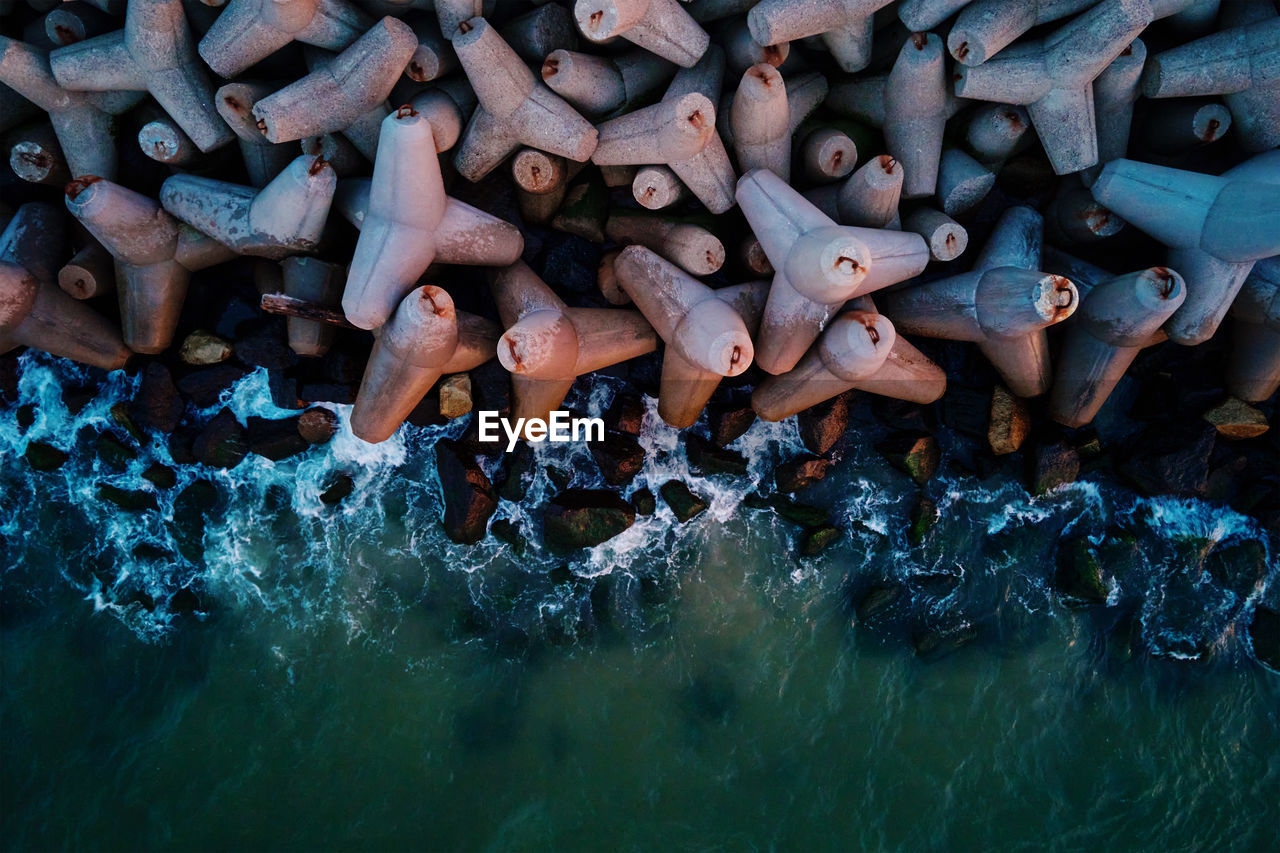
{"x":278,"y":303}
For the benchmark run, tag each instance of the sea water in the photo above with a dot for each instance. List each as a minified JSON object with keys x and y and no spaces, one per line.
{"x":350,"y":678}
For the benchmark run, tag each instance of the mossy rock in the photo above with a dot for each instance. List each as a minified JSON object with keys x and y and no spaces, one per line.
{"x":44,"y":457}
{"x":644,"y":502}
{"x":161,"y":476}
{"x":506,"y":530}
{"x":877,"y":601}
{"x":923,"y":518}
{"x":934,"y":643}
{"x":1079,"y":575}
{"x":683,"y":502}
{"x":802,"y":514}
{"x":583,"y":518}
{"x":818,"y":540}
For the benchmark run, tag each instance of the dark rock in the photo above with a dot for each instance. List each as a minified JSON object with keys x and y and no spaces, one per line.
{"x":491,"y":388}
{"x":161,"y":476}
{"x":120,"y":414}
{"x":706,"y":459}
{"x":644,"y":502}
{"x":916,"y":455}
{"x":1055,"y":465}
{"x":44,"y":457}
{"x":25,"y":416}
{"x":1010,"y":421}
{"x":221,"y":444}
{"x":156,"y":405}
{"x":198,"y":497}
{"x":427,"y":413}
{"x":877,"y":601}
{"x":934,"y":643}
{"x":338,"y":488}
{"x":114,"y":450}
{"x":619,"y":456}
{"x":559,"y":477}
{"x":133,"y":500}
{"x":182,"y":445}
{"x":1240,"y":566}
{"x":937,"y":582}
{"x":519,"y":474}
{"x":729,"y":421}
{"x":625,"y":413}
{"x":505,"y":530}
{"x":317,"y":425}
{"x":1264,"y":632}
{"x":265,"y":348}
{"x":582,"y":518}
{"x":1079,"y":576}
{"x":966,"y":410}
{"x":275,"y":439}
{"x":796,"y":474}
{"x":327,"y":392}
{"x":205,"y":387}
{"x":923,"y":518}
{"x":236,"y":313}
{"x":285,"y":392}
{"x":683,"y":502}
{"x":469,"y":497}
{"x":818,"y":540}
{"x":1168,"y":460}
{"x":345,"y":364}
{"x":821,"y":426}
{"x":76,"y":397}
{"x":804,"y":515}
{"x":570,"y":261}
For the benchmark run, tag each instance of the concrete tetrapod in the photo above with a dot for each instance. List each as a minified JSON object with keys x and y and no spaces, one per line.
{"x":424,"y":339}
{"x":34,"y":155}
{"x":852,"y":349}
{"x":154,"y":53}
{"x":1215,"y":227}
{"x":406,"y":203}
{"x":1241,"y":64}
{"x":263,"y":160}
{"x":516,"y":108}
{"x":691,"y":247}
{"x":1004,"y":304}
{"x":845,"y":26}
{"x":83,"y":121}
{"x":465,"y":235}
{"x":985,"y":27}
{"x":286,"y":217}
{"x":820,"y":265}
{"x":249,"y":31}
{"x":597,"y":85}
{"x":761,"y":122}
{"x":1253,"y":373}
{"x":342,"y":90}
{"x":1116,"y":320}
{"x":316,"y":281}
{"x":34,"y":311}
{"x":1115,"y":91}
{"x":659,"y":26}
{"x":1054,"y":78}
{"x":155,"y":254}
{"x":706,"y":338}
{"x":547,"y":345}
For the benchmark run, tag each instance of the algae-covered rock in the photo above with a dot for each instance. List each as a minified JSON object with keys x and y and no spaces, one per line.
{"x":796,"y":474}
{"x":707,"y":459}
{"x":44,"y":457}
{"x":583,"y":518}
{"x":818,"y":539}
{"x":683,"y":502}
{"x":916,"y":455}
{"x":644,"y":502}
{"x":1079,"y":574}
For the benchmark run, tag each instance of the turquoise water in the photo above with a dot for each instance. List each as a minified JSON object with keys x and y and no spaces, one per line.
{"x":351,"y":679}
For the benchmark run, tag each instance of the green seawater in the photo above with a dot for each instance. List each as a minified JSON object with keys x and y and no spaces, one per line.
{"x":353,"y":681}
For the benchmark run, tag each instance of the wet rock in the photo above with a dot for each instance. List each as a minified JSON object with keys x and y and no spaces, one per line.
{"x":795,"y":512}
{"x":326,"y":392}
{"x":133,"y":500}
{"x":706,"y":459}
{"x":455,"y":395}
{"x":936,"y":581}
{"x":1171,"y":460}
{"x":267,"y":348}
{"x":934,"y":643}
{"x":505,"y":530}
{"x":201,"y":348}
{"x":915,"y":455}
{"x":491,"y":388}
{"x":120,"y":414}
{"x":182,"y":445}
{"x":796,"y":474}
{"x":570,"y":261}
{"x":1239,"y":566}
{"x":582,"y":518}
{"x":1078,"y":575}
{"x":285,"y":390}
{"x":519,"y":474}
{"x":644,"y":502}
{"x":560,"y":478}
{"x":317,"y":425}
{"x":619,"y":456}
{"x":1264,"y":632}
{"x":25,"y":416}
{"x":205,"y":387}
{"x":469,"y":497}
{"x":683,"y":502}
{"x":157,"y":404}
{"x":76,"y":397}
{"x":923,"y":518}
{"x":275,"y":439}
{"x":337,"y":489}
{"x":966,"y":410}
{"x":221,"y":444}
{"x":1009,"y":423}
{"x":625,"y":414}
{"x":729,"y":421}
{"x":1235,"y":419}
{"x":44,"y":457}
{"x":821,"y":426}
{"x":427,"y":413}
{"x":160,"y":475}
{"x":1055,"y":465}
{"x":877,"y":601}
{"x":818,"y":540}
{"x":114,"y":451}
